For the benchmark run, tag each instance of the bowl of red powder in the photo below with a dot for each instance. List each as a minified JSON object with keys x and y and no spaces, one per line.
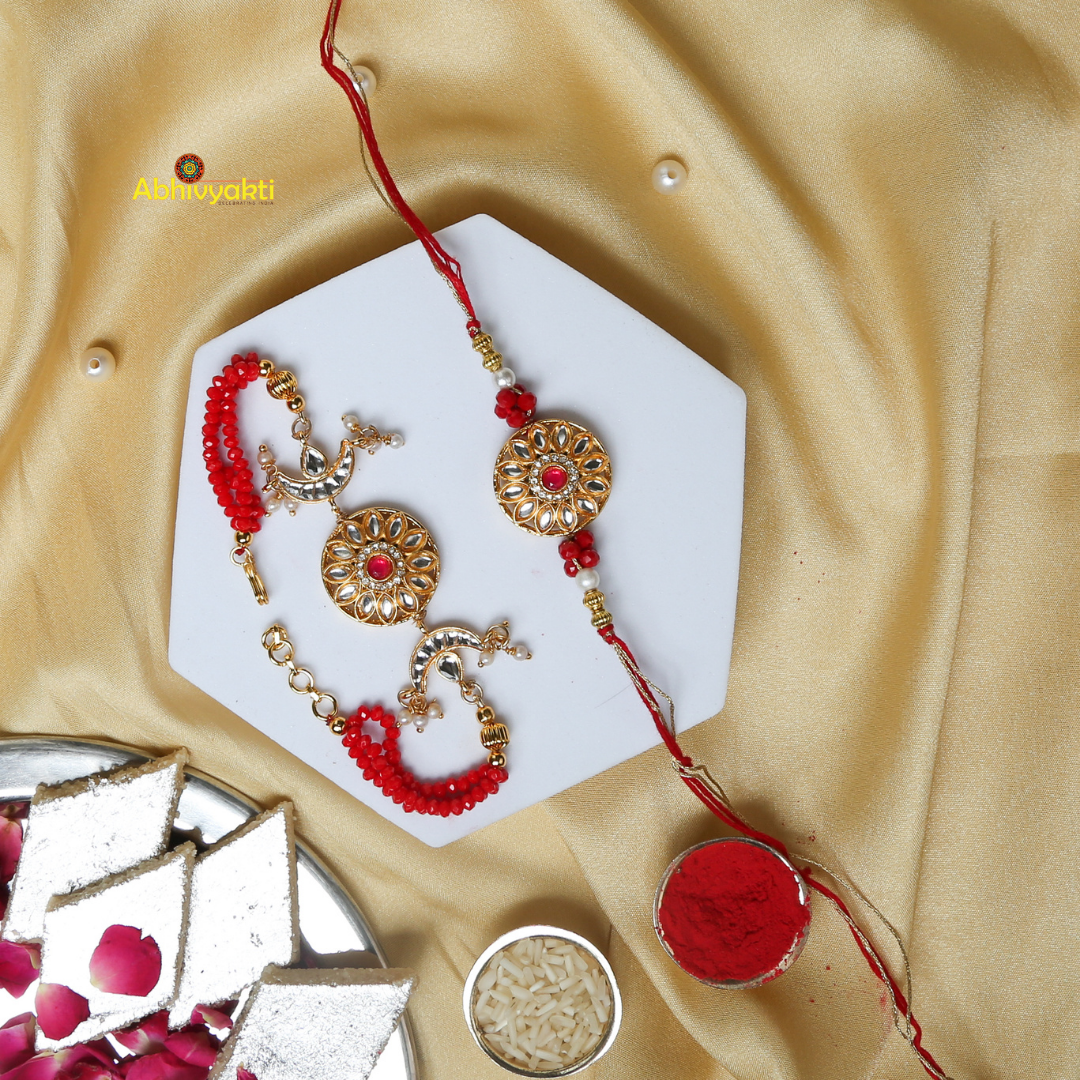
{"x":733,"y":913}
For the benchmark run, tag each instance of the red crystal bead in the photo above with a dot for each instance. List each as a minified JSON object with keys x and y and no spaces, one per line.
{"x":379,"y":567}
{"x":554,"y":478}
{"x":589,"y":557}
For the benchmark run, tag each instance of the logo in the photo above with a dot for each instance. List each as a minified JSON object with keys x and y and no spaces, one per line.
{"x":185,"y":186}
{"x":189,"y":168}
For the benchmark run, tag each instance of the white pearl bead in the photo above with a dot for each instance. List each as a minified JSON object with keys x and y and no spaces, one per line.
{"x":291,"y":505}
{"x":405,"y":718}
{"x":265,"y":458}
{"x":368,"y":82}
{"x":520,"y":653}
{"x":396,"y":441}
{"x":351,"y":422}
{"x":588,"y":579}
{"x":98,"y":364}
{"x":669,"y":176}
{"x":433,"y":711}
{"x":487,"y":657}
{"x":505,"y":377}
{"x":273,"y":504}
{"x":420,"y":723}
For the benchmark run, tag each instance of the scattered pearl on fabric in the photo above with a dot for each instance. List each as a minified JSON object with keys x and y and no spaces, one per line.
{"x":669,"y":176}
{"x":505,"y":378}
{"x":588,"y":579}
{"x":368,"y":82}
{"x":98,"y":363}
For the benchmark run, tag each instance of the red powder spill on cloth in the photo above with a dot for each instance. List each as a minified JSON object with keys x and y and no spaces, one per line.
{"x":731,"y":911}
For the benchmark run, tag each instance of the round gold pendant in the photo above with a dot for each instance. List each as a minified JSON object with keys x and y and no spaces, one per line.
{"x":552,"y":477}
{"x":380,"y":566}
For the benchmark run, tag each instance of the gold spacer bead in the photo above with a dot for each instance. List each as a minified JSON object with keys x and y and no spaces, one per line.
{"x":482,"y":343}
{"x":493,"y":362}
{"x":497,"y":759}
{"x":242,"y":539}
{"x":338,"y":726}
{"x":266,"y":368}
{"x":281,"y":384}
{"x":485,"y":714}
{"x":594,"y":601}
{"x":494,"y":736}
{"x":295,"y":404}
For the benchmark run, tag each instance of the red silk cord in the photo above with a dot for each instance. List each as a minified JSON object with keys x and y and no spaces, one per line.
{"x":450,"y":270}
{"x":445,"y":264}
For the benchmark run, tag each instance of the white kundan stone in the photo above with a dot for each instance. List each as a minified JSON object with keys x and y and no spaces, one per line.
{"x":243,"y":913}
{"x":315,"y":1023}
{"x":84,"y":830}
{"x":152,"y":897}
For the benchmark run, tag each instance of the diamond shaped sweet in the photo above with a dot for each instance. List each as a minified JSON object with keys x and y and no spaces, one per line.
{"x":84,"y":830}
{"x":243,"y":912}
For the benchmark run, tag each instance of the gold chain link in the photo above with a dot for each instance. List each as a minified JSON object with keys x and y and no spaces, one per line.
{"x":301,"y":681}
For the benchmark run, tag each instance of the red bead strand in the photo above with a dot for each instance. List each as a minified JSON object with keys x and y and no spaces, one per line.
{"x":515,"y":405}
{"x":578,"y":553}
{"x":230,"y":475}
{"x":380,"y":762}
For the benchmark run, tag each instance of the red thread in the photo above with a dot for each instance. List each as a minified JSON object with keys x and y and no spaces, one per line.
{"x":445,"y":264}
{"x":732,"y":912}
{"x":873,"y":957}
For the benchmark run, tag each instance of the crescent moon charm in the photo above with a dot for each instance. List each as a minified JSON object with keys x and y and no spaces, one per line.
{"x":437,"y":650}
{"x":323,"y":481}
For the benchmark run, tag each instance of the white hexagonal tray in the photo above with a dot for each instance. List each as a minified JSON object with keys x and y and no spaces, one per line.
{"x":386,"y":341}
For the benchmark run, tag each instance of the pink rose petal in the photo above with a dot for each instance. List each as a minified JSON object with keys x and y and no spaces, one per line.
{"x":59,"y":1010}
{"x":98,"y":1052}
{"x":19,"y":966}
{"x":42,"y":1067}
{"x":125,"y":962}
{"x":243,"y":1074}
{"x":10,"y":847}
{"x":17,"y":1041}
{"x":163,"y":1066}
{"x":195,"y":1045}
{"x":215,"y":1018}
{"x":148,"y":1037}
{"x":88,"y":1071}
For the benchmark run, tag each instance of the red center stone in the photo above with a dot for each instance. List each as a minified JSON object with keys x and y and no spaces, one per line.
{"x":554,"y":478}
{"x":379,"y":567}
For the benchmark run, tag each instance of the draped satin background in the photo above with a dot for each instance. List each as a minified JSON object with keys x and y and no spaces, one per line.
{"x":877,"y":241}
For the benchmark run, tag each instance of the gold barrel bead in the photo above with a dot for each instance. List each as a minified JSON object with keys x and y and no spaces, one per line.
{"x":281,"y":384}
{"x":493,"y":361}
{"x":494,"y":736}
{"x":482,"y":343}
{"x":594,"y":601}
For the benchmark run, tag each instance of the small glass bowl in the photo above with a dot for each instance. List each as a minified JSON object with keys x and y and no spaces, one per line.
{"x":789,"y":957}
{"x":507,"y":940}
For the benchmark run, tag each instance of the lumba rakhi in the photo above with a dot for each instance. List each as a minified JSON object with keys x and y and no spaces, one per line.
{"x":379,"y":566}
{"x":552,"y":478}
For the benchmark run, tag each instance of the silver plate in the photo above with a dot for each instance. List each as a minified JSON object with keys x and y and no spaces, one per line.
{"x":332,"y":929}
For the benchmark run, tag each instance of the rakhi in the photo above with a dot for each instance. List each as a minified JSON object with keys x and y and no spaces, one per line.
{"x":380,"y":566}
{"x":552,"y":477}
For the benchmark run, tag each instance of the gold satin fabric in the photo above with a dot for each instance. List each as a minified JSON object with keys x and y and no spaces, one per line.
{"x":878,"y":241}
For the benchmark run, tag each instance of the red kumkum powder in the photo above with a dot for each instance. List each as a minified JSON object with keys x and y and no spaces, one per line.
{"x":731,"y":912}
